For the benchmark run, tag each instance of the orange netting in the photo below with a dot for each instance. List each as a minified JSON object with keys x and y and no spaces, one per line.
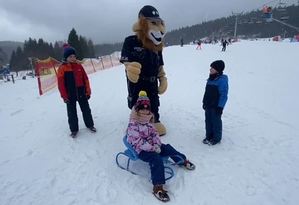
{"x":46,"y":70}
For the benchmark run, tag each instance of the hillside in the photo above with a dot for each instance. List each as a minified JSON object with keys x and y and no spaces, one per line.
{"x":250,"y":25}
{"x":8,"y":47}
{"x":255,"y":164}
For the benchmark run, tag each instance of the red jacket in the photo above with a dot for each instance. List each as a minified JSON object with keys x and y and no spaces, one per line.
{"x":73,"y":81}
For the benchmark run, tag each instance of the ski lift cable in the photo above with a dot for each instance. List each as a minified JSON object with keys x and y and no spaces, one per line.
{"x":286,"y":24}
{"x":280,"y":2}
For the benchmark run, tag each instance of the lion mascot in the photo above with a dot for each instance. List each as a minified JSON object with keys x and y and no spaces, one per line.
{"x":142,"y":56}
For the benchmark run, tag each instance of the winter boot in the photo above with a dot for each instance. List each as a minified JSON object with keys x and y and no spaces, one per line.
{"x":160,"y":193}
{"x":212,"y":142}
{"x":189,"y":165}
{"x":92,"y":129}
{"x":206,"y":141}
{"x":74,"y":134}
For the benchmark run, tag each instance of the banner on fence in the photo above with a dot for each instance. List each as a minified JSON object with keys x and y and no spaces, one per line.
{"x":46,"y":70}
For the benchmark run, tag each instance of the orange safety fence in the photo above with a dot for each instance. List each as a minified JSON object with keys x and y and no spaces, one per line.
{"x":46,"y":70}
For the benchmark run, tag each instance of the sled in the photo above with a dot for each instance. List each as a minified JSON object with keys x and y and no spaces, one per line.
{"x":130,"y":156}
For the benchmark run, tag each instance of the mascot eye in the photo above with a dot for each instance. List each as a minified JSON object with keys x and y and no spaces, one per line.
{"x":154,"y":22}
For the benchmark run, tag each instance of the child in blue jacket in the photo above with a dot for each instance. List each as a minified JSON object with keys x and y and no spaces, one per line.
{"x":214,"y":100}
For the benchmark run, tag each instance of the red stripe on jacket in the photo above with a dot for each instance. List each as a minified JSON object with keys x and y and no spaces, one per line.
{"x":81,"y":78}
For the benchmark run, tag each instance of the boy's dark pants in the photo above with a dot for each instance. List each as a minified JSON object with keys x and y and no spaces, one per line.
{"x":155,"y":161}
{"x":213,"y":125}
{"x":72,"y":114}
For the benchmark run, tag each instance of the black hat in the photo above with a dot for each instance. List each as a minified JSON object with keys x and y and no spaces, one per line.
{"x":218,"y":65}
{"x":149,"y":12}
{"x":68,"y":51}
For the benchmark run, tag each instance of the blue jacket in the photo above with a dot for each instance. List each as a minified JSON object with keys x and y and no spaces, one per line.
{"x":216,"y":92}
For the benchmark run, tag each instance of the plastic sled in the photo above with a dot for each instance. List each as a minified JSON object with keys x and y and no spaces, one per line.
{"x":128,"y":160}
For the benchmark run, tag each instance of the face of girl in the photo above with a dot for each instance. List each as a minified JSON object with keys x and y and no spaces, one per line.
{"x":144,"y":111}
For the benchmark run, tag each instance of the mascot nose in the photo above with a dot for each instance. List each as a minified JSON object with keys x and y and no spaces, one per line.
{"x":162,"y":33}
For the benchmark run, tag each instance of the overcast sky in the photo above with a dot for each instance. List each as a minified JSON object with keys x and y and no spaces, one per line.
{"x":106,"y":21}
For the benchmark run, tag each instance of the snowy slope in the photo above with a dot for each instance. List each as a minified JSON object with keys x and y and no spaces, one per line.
{"x":256,"y":163}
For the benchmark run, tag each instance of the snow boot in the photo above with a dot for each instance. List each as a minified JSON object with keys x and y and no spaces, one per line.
{"x":189,"y":165}
{"x":206,"y":141}
{"x":92,"y":129}
{"x":74,"y":134}
{"x":160,"y":193}
{"x":212,"y":142}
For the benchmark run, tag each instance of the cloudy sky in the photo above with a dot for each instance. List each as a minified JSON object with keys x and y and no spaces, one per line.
{"x":106,"y":21}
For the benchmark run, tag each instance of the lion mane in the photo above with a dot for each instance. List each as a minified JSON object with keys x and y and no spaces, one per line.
{"x":141,"y":28}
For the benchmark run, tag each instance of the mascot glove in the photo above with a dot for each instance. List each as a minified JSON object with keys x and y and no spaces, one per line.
{"x":162,"y":85}
{"x":133,"y":70}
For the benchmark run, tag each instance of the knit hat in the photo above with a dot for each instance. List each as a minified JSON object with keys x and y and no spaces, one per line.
{"x":218,"y":65}
{"x":149,"y":12}
{"x":143,"y":102}
{"x":68,"y":51}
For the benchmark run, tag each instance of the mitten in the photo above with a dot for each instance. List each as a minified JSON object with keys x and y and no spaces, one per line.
{"x":88,"y":97}
{"x":133,"y":70}
{"x":219,"y":110}
{"x":157,"y":148}
{"x":162,"y":81}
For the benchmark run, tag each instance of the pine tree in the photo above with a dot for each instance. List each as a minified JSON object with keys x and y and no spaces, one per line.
{"x":91,"y":48}
{"x":84,"y":47}
{"x":73,"y":40}
{"x":3,"y":57}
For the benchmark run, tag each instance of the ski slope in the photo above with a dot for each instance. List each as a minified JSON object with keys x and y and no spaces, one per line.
{"x":256,"y":163}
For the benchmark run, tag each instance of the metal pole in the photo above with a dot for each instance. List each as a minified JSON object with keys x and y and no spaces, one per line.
{"x":236,"y":23}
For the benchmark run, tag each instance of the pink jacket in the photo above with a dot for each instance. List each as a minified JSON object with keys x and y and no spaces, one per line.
{"x":142,"y":136}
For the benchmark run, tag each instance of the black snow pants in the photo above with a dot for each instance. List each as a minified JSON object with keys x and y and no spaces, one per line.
{"x":73,"y":117}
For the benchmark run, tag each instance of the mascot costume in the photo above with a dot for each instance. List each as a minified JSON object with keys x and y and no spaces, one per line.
{"x":142,"y":56}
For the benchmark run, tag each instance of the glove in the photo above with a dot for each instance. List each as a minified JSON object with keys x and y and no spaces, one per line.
{"x":162,"y":85}
{"x":162,"y":80}
{"x":65,"y":100}
{"x":219,"y":110}
{"x":133,"y":70}
{"x":157,"y":148}
{"x":88,"y":97}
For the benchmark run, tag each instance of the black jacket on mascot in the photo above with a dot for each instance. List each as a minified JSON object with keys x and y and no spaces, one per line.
{"x":142,"y":56}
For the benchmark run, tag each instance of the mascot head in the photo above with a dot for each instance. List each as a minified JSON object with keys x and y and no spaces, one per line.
{"x":150,"y":28}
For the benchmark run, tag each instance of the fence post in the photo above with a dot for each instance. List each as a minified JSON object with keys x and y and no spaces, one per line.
{"x":12,"y":78}
{"x":37,"y":73}
{"x":102,"y":63}
{"x":92,"y":65}
{"x":111,"y":60}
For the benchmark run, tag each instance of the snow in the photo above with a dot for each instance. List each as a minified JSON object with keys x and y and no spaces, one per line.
{"x":256,"y":163}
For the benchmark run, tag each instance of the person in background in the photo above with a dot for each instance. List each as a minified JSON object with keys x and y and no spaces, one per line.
{"x":73,"y":85}
{"x":224,"y":44}
{"x":144,"y":138}
{"x":214,"y":100}
{"x":198,"y":44}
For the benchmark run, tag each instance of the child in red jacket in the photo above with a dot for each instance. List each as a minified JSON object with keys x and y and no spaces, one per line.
{"x":73,"y":85}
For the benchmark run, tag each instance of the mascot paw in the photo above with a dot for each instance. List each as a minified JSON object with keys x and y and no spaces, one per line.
{"x":133,"y":70}
{"x":163,"y":85}
{"x":160,"y":128}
